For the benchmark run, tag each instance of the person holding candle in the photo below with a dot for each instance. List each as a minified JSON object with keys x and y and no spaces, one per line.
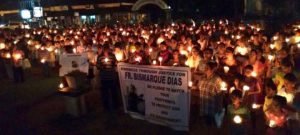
{"x":164,"y":54}
{"x":276,"y":117}
{"x":271,"y":91}
{"x":209,"y":94}
{"x":236,"y":108}
{"x":106,"y":64}
{"x":194,"y":59}
{"x":17,"y":56}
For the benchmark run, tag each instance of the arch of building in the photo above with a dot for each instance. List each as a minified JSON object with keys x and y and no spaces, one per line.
{"x":140,"y":3}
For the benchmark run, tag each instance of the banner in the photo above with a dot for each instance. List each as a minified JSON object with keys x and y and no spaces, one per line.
{"x":157,"y":94}
{"x":71,"y":62}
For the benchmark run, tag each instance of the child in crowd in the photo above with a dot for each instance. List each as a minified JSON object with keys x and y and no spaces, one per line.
{"x":276,"y":116}
{"x":238,"y":114}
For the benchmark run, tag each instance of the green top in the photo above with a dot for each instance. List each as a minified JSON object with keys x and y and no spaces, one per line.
{"x":241,"y":111}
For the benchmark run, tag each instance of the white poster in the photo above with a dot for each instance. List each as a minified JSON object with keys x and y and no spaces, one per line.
{"x":71,"y":62}
{"x":158,"y":94}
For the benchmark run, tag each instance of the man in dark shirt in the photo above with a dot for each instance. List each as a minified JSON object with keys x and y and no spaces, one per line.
{"x":106,"y":64}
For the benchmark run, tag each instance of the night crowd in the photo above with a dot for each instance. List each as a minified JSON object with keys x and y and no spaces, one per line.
{"x":237,"y":69}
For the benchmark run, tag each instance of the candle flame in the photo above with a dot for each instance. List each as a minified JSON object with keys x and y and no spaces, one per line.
{"x":237,"y":119}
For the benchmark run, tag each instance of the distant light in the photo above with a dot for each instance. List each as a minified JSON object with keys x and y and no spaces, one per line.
{"x":37,"y":11}
{"x":83,"y":17}
{"x":25,"y":14}
{"x":169,"y":7}
{"x":92,"y":17}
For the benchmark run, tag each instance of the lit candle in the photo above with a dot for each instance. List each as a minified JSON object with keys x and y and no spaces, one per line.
{"x":61,"y":85}
{"x":2,"y":46}
{"x":37,"y":46}
{"x":226,"y":69}
{"x":245,"y":89}
{"x":43,"y":60}
{"x":160,"y":60}
{"x":223,"y":86}
{"x":106,"y":60}
{"x":16,"y":41}
{"x":107,"y":33}
{"x":150,"y":50}
{"x":154,"y":62}
{"x":226,"y":32}
{"x":138,"y":59}
{"x":272,"y":123}
{"x":56,"y":50}
{"x":74,"y":50}
{"x":232,"y":89}
{"x":94,"y":41}
{"x":160,"y":40}
{"x":287,"y":40}
{"x":132,"y":50}
{"x":189,"y":48}
{"x":190,"y":83}
{"x":238,"y":37}
{"x":272,"y":46}
{"x":17,"y":56}
{"x":255,"y":106}
{"x":186,"y":63}
{"x":7,"y":56}
{"x":119,"y":56}
{"x":254,"y":74}
{"x":27,"y":35}
{"x":237,"y":119}
{"x":298,"y":45}
{"x":275,"y":37}
{"x":270,"y":57}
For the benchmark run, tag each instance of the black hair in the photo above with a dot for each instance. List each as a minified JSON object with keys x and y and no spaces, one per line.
{"x":250,"y":67}
{"x":280,"y":100}
{"x":291,"y":77}
{"x":270,"y":84}
{"x":236,"y":94}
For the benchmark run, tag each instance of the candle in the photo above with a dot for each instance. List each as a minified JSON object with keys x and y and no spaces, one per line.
{"x":16,"y":41}
{"x":138,"y":59}
{"x":160,"y":40}
{"x":226,"y":32}
{"x":186,"y":63}
{"x":119,"y":56}
{"x":132,"y":50}
{"x":272,"y":123}
{"x":298,"y":45}
{"x":242,"y":50}
{"x":107,"y":33}
{"x":190,"y":83}
{"x":56,"y":50}
{"x":106,"y":60}
{"x":72,"y":42}
{"x":245,"y":89}
{"x":2,"y":46}
{"x":61,"y":85}
{"x":232,"y":89}
{"x":160,"y":60}
{"x":43,"y":60}
{"x":94,"y":41}
{"x":287,"y":40}
{"x":223,"y":86}
{"x":173,"y":24}
{"x":255,"y":106}
{"x":254,"y":74}
{"x":74,"y":50}
{"x":226,"y":69}
{"x":237,"y":119}
{"x":17,"y":56}
{"x":154,"y":62}
{"x":27,"y":35}
{"x":150,"y":50}
{"x":38,"y":46}
{"x":189,"y":48}
{"x":272,"y":46}
{"x":238,"y":37}
{"x":270,"y":57}
{"x":76,"y":37}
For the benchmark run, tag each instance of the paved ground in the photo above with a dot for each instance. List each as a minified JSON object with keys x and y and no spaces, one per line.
{"x":34,"y":108}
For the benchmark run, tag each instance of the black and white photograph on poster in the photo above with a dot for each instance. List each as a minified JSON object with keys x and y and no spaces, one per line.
{"x":71,"y":62}
{"x":135,"y":101}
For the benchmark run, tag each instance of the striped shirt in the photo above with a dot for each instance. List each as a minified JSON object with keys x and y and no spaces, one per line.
{"x":107,"y":67}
